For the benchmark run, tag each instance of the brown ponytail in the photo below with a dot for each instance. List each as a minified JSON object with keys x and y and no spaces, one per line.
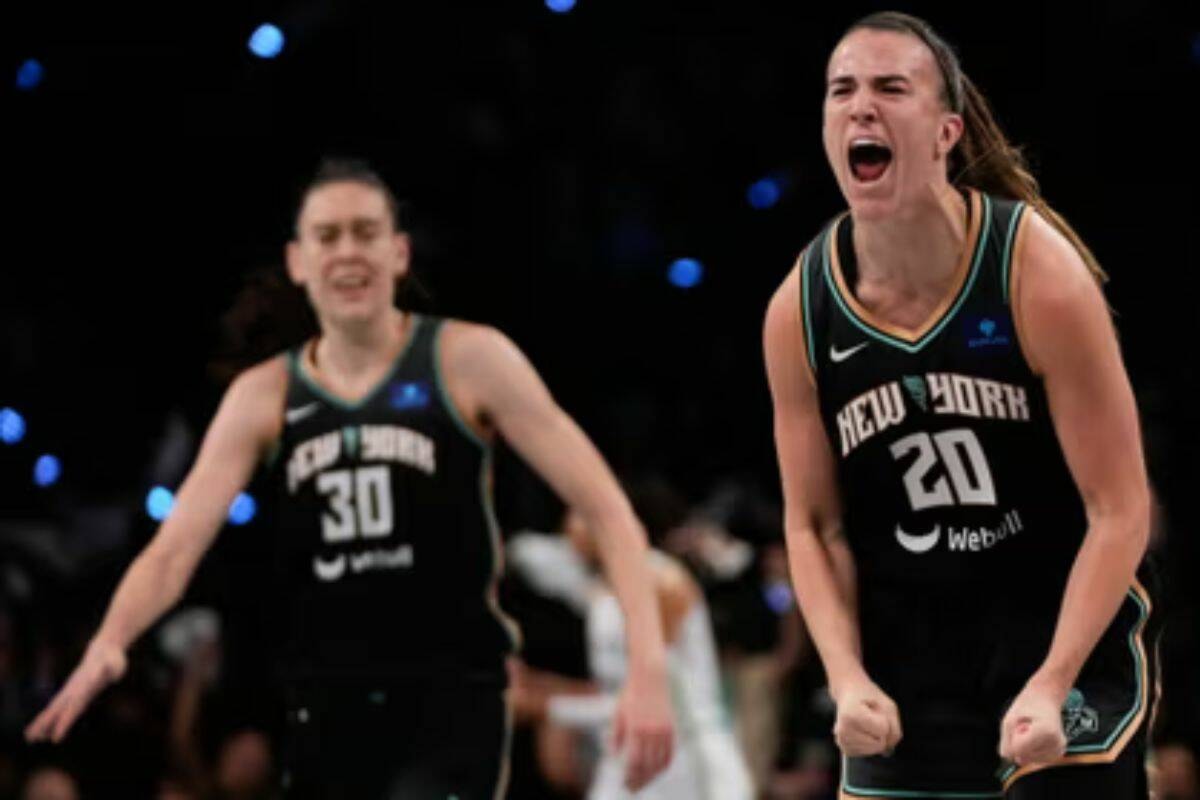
{"x":983,"y":159}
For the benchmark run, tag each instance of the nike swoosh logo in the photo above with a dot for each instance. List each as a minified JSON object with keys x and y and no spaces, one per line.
{"x":294,"y":415}
{"x":839,"y":356}
{"x":919,"y":544}
{"x":329,"y":570}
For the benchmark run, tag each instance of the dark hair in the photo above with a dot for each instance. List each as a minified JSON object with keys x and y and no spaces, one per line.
{"x":270,"y":312}
{"x":983,"y":159}
{"x":333,"y":169}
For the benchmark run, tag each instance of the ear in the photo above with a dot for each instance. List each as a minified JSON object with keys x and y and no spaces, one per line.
{"x":295,"y":269}
{"x":949,"y":134}
{"x":402,"y":245}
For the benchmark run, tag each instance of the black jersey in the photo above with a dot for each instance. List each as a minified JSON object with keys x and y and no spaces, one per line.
{"x":388,"y":549}
{"x":951,"y":477}
{"x":962,"y":516}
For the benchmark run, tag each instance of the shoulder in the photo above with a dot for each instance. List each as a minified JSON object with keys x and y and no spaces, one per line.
{"x":476,"y":348}
{"x":1053,"y":290}
{"x":255,"y":399}
{"x":268,"y":378}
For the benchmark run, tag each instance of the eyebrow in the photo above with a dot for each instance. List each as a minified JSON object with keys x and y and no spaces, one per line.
{"x":878,"y":80}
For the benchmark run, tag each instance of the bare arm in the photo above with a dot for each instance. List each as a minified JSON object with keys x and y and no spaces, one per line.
{"x":1068,"y":338}
{"x":489,"y":378}
{"x":822,"y":566}
{"x":249,"y":418}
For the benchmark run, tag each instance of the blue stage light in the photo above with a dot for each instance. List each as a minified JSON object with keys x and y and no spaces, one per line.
{"x":560,"y":6}
{"x":30,"y":74}
{"x":242,"y":510}
{"x":47,"y":471}
{"x":159,"y":503}
{"x":764,"y":193}
{"x":12,"y":426}
{"x":266,"y":41}
{"x":685,"y":273}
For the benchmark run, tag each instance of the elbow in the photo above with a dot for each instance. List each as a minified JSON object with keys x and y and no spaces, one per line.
{"x":1125,"y":521}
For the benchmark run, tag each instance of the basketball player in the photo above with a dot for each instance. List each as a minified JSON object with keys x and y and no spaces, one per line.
{"x":966,"y":499}
{"x":378,"y":433}
{"x":707,"y":761}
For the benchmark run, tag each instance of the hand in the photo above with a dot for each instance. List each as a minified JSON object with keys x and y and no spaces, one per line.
{"x":643,"y":727}
{"x":1032,"y":731}
{"x":102,"y":665}
{"x":868,"y":722}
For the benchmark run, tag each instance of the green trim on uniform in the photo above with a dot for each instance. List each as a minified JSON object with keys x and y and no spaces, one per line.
{"x":451,"y":409}
{"x":804,"y":310}
{"x":1138,"y":666}
{"x":1018,"y":213}
{"x":914,"y":347}
{"x":299,"y":371}
{"x":915,"y":793}
{"x":273,"y":451}
{"x":510,"y":626}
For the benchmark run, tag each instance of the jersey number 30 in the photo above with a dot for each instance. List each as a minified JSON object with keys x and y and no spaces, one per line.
{"x":360,"y":503}
{"x":962,"y":457}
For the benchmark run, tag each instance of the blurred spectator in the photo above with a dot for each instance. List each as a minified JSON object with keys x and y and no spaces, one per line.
{"x":50,"y":783}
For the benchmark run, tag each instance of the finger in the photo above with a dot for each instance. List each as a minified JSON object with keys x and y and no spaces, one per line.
{"x":40,"y":727}
{"x":871,"y":723}
{"x":617,"y":739}
{"x":637,"y":768}
{"x":895,"y":733}
{"x":65,"y":720}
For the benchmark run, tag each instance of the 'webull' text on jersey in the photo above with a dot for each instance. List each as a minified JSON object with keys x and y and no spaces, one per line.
{"x":387,"y":543}
{"x":948,"y":465}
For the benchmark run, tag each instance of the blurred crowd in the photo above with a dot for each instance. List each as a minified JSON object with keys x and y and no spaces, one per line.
{"x":196,"y":717}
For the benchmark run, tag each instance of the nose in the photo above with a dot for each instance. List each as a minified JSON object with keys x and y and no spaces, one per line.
{"x":862,"y":108}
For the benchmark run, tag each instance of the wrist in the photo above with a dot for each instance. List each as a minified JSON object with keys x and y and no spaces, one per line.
{"x":1055,"y":679}
{"x":848,"y":674}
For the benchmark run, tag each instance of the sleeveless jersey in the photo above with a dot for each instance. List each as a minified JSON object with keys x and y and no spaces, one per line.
{"x":956,"y":497}
{"x":388,"y":549}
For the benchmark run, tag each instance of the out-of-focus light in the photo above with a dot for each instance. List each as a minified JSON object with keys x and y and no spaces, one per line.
{"x":778,"y":596}
{"x":266,"y":41}
{"x":1196,"y":49}
{"x":47,"y":471}
{"x":685,"y":273}
{"x":242,"y":510}
{"x":159,"y":503}
{"x":12,"y":426}
{"x":560,"y":6}
{"x":30,"y":74}
{"x":764,"y":193}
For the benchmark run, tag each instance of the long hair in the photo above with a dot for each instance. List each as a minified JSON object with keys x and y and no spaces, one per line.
{"x":271,"y":313}
{"x":983,"y":159}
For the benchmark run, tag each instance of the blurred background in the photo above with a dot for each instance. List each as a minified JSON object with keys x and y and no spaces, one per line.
{"x":619,"y":186}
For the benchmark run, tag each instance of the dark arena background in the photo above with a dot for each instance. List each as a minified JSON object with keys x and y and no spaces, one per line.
{"x":619,"y":186}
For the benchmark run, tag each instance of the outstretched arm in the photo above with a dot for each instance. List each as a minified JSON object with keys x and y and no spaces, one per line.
{"x":248,"y":420}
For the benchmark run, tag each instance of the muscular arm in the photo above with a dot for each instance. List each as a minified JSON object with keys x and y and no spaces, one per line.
{"x":245,"y":424}
{"x":489,"y":378}
{"x":821,"y":565}
{"x":1069,"y":340}
{"x":249,"y":418}
{"x":493,"y":379}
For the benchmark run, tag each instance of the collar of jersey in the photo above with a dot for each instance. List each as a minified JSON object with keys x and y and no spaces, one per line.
{"x":301,"y":372}
{"x":911,"y":341}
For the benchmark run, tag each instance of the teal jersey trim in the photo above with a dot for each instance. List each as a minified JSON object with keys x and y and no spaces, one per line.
{"x":447,"y":402}
{"x":301,"y":373}
{"x":1005,"y":259}
{"x":1138,"y":667}
{"x":804,"y":309}
{"x":916,"y":793}
{"x":914,"y":347}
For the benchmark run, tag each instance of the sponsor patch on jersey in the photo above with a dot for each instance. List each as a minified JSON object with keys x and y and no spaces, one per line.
{"x":988,"y":332}
{"x":410,"y":395}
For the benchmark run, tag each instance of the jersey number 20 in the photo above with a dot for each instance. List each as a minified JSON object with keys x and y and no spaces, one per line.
{"x":957,"y":449}
{"x":360,"y":503}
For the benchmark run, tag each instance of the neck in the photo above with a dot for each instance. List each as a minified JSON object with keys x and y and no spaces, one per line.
{"x":918,"y":248}
{"x":351,"y":350}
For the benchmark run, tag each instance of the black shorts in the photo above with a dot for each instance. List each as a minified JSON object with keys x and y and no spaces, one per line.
{"x":952,"y":702}
{"x":411,"y":742}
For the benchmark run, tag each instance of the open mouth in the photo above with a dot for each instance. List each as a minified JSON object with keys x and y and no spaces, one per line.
{"x":869,"y":159}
